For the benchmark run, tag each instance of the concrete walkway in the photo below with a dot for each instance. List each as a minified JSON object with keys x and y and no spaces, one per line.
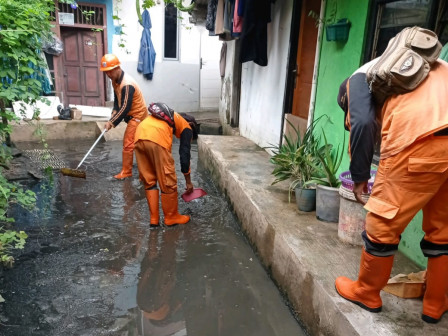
{"x":304,"y":255}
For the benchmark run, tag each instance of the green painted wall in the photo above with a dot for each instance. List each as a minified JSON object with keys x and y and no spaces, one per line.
{"x":338,"y":61}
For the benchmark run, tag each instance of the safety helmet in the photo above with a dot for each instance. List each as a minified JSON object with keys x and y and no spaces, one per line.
{"x":109,"y":62}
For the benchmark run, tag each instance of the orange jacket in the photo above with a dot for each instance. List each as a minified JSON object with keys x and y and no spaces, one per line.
{"x":158,"y":131}
{"x":129,"y":101}
{"x":411,"y":116}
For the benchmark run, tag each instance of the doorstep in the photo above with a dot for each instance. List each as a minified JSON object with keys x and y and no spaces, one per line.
{"x":304,"y":255}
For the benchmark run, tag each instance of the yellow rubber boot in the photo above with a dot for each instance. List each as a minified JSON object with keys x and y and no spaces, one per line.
{"x":374,"y":272}
{"x":170,"y":209}
{"x":126,"y":171}
{"x":435,"y":301}
{"x":152,"y":196}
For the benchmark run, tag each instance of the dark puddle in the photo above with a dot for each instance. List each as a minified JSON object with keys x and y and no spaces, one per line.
{"x":91,"y":266}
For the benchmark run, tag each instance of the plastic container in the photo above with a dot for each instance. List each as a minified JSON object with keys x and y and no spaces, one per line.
{"x":346,"y":179}
{"x":338,"y":31}
{"x":352,"y":215}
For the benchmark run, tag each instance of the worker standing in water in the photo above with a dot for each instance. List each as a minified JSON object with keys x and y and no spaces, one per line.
{"x":153,"y":142}
{"x":129,"y":105}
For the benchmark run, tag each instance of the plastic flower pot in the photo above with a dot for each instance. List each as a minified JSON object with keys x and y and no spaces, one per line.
{"x":338,"y":31}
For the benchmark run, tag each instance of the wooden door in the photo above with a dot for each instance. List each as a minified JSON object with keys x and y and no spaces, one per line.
{"x":83,"y":81}
{"x":305,"y":59}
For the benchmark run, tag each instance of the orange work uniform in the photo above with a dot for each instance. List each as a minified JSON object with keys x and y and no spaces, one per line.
{"x":153,"y":143}
{"x":130,"y":106}
{"x":413,"y":169}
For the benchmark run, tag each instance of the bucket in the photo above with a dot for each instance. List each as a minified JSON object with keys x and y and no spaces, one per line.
{"x":327,"y":204}
{"x":352,"y":215}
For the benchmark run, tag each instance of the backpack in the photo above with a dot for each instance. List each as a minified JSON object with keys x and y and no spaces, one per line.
{"x":404,"y":64}
{"x":163,"y":112}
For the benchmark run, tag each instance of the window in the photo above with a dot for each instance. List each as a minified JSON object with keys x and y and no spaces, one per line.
{"x":389,"y":17}
{"x":171,"y":33}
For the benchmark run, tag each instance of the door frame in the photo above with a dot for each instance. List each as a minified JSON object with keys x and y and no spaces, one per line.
{"x":58,"y":65}
{"x":291,"y":67}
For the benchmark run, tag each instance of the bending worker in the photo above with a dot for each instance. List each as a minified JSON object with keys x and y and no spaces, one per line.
{"x":153,"y":142}
{"x":412,"y":176}
{"x":129,"y":105}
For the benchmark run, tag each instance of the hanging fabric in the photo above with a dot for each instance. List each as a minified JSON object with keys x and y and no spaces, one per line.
{"x":147,"y":55}
{"x":237,"y":20}
{"x":257,"y":15}
{"x":219,"y":23}
{"x":211,"y":16}
{"x":223,"y":60}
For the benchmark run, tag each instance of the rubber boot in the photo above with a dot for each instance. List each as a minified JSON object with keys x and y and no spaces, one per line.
{"x":126,"y":171}
{"x":435,"y":300}
{"x":373,"y":275}
{"x":152,"y":196}
{"x":170,"y":209}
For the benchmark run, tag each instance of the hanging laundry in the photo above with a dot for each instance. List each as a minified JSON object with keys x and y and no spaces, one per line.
{"x":237,"y":20}
{"x":228,"y":21}
{"x":147,"y":55}
{"x":211,"y":16}
{"x":223,"y":60}
{"x":45,"y":75}
{"x":257,"y":15}
{"x":219,"y":23}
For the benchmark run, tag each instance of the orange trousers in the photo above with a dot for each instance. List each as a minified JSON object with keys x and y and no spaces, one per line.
{"x":129,"y":135}
{"x":413,"y":180}
{"x":156,"y":165}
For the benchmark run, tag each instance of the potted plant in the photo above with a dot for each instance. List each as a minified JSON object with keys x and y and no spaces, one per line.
{"x":336,"y":30}
{"x":327,"y":181}
{"x":295,"y":160}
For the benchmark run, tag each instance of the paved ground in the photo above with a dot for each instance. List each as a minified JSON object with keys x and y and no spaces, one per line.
{"x":302,"y":254}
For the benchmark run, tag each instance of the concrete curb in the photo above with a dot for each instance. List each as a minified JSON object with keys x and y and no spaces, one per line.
{"x":66,"y":130}
{"x":303,"y":254}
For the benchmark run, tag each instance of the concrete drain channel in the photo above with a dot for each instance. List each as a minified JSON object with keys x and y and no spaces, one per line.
{"x":43,"y":158}
{"x":209,"y":126}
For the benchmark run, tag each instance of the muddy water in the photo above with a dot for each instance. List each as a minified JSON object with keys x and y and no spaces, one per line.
{"x":92,"y":266}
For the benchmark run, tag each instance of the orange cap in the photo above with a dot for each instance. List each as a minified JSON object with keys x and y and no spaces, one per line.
{"x":109,"y":62}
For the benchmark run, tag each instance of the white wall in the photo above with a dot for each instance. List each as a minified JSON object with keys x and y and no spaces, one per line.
{"x":263,"y":88}
{"x":174,"y":82}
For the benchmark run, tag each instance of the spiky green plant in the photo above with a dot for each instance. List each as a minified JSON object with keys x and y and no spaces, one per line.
{"x":329,"y":162}
{"x":296,"y":158}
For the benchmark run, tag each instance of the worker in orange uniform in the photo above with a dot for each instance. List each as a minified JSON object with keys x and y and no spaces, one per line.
{"x":412,"y":176}
{"x":129,"y":105}
{"x":153,"y":142}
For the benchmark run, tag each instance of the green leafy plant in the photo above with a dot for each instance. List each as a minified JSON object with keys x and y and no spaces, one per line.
{"x":329,"y":163}
{"x":296,"y":158}
{"x":330,"y":18}
{"x":10,"y":240}
{"x":12,"y":193}
{"x":23,"y":27}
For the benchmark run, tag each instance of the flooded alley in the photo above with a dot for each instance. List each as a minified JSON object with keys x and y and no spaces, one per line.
{"x":92,"y":266}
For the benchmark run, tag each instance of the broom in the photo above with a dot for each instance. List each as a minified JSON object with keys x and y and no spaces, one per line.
{"x":76,"y":172}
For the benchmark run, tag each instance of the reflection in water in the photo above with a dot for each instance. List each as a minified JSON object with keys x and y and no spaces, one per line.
{"x":158,"y":296}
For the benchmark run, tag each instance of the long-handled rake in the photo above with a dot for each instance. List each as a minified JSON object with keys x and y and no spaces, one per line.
{"x":76,"y":172}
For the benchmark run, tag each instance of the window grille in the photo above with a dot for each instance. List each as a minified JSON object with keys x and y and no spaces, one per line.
{"x":84,"y":14}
